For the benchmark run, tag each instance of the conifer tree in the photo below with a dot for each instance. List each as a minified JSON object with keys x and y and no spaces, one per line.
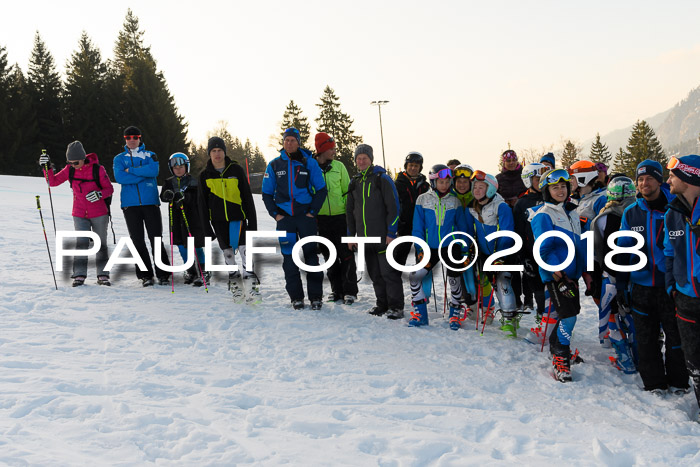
{"x":45,"y":92}
{"x":338,"y":124}
{"x":5,"y":116}
{"x":23,"y":147}
{"x":570,"y":154}
{"x":600,"y":152}
{"x":293,"y":118}
{"x":642,"y":145}
{"x":88,"y":110}
{"x":146,"y":100}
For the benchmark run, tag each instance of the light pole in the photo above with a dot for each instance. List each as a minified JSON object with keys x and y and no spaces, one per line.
{"x":381,"y":130}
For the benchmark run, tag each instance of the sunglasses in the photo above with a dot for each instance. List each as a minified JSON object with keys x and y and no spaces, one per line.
{"x":443,"y":173}
{"x":130,"y":137}
{"x":74,"y":162}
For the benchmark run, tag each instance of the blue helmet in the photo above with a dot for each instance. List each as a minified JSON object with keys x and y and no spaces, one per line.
{"x":179,"y":158}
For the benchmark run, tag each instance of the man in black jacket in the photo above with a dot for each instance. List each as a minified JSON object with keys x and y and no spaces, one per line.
{"x":372,"y":211}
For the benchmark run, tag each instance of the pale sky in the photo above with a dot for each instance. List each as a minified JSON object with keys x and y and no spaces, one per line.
{"x":463,"y":78}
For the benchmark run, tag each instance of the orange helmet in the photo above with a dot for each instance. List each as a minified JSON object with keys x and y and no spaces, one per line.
{"x":584,"y":171}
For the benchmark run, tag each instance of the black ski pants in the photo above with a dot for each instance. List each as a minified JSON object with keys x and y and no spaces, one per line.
{"x":688,"y":314}
{"x":651,"y":308}
{"x":343,"y":273}
{"x":387,"y":282}
{"x":138,"y":217}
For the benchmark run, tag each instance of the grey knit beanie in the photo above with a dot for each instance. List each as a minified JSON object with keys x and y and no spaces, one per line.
{"x":365,"y":149}
{"x":75,"y":152}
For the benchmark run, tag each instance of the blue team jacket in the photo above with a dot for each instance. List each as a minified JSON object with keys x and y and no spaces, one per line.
{"x":139,"y":185}
{"x":293,"y":187}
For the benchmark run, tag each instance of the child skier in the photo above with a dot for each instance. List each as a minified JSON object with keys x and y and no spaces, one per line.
{"x":91,"y":189}
{"x":180,"y":191}
{"x":562,"y":286}
{"x":437,"y":214}
{"x":490,"y":213}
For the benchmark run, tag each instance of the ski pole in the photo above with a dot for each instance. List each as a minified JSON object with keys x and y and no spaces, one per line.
{"x":196,"y":258}
{"x":444,"y":296}
{"x":48,"y":185}
{"x":38,"y":206}
{"x":486,"y":313}
{"x":479,"y":302}
{"x":546,"y":324}
{"x":432,"y":279}
{"x":172,"y":254}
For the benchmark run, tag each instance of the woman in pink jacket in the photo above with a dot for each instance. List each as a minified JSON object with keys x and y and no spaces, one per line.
{"x":91,"y":186}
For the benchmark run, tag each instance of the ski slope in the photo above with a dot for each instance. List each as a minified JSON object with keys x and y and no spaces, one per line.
{"x":132,"y":376}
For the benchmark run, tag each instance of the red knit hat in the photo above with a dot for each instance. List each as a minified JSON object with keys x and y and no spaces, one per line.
{"x":324,"y":142}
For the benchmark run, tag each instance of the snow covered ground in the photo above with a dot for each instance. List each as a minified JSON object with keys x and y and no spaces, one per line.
{"x":127,"y":375}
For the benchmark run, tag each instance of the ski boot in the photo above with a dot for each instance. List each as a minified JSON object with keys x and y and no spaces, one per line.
{"x":165,"y":280}
{"x":78,"y":281}
{"x":395,"y":313}
{"x":235,"y":288}
{"x":455,"y":317}
{"x":147,"y":281}
{"x":207,"y":277}
{"x":197,"y":282}
{"x":678,"y":391}
{"x":473,"y":311}
{"x":298,"y":304}
{"x":537,"y":334}
{"x":349,"y":299}
{"x":103,"y":280}
{"x":252,"y":286}
{"x":509,"y":323}
{"x":316,"y":304}
{"x":419,"y":317}
{"x":624,"y":361}
{"x":561,"y":362}
{"x":188,"y":277}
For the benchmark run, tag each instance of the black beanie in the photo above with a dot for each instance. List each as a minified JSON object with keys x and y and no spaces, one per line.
{"x":132,"y":130}
{"x":216,"y":142}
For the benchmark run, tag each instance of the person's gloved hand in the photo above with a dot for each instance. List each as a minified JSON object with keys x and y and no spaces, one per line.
{"x":168,"y":195}
{"x":529,"y":268}
{"x":94,"y":196}
{"x":44,"y":159}
{"x":566,"y":287}
{"x":178,"y":197}
{"x":590,"y":286}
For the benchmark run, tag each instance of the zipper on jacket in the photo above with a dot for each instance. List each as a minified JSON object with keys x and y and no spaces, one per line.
{"x":223,"y":192}
{"x":364,"y":200}
{"x":137,"y":185}
{"x":291,"y":185}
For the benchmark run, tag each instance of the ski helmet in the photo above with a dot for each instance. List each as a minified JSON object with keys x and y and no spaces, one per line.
{"x":463,"y":170}
{"x":552,"y":177}
{"x":620,"y":188}
{"x":490,"y":180}
{"x":438,"y":171}
{"x":179,"y":158}
{"x":414,"y":157}
{"x":584,"y":171}
{"x":532,"y":170}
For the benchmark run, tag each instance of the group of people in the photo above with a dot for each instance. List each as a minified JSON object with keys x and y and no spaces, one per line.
{"x":649,"y":314}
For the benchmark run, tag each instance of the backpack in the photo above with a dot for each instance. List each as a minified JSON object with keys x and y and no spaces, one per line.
{"x":95,"y":178}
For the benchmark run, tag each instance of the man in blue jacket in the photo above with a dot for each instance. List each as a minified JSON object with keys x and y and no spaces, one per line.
{"x":136,"y":170}
{"x":682,"y":251}
{"x":293,"y":191}
{"x":650,"y":306}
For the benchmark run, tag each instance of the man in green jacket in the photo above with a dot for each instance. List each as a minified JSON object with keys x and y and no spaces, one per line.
{"x":332,"y":224}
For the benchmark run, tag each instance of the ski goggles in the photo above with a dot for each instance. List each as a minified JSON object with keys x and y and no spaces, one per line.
{"x":443,"y":173}
{"x":675,"y":163}
{"x":130,"y":137}
{"x":479,"y":175}
{"x":463,"y":172}
{"x":555,"y":176}
{"x":600,"y":167}
{"x":177,"y":161}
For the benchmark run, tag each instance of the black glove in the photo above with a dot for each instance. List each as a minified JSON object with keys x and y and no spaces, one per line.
{"x":529,"y":269}
{"x":168,"y":195}
{"x":44,"y":159}
{"x":623,"y":304}
{"x":178,"y":198}
{"x":566,"y":287}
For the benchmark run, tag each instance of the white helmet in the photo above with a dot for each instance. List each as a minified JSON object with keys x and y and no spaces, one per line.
{"x":532,"y":170}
